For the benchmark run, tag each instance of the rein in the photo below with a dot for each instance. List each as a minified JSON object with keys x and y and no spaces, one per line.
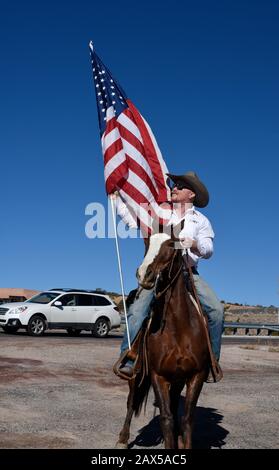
{"x":168,"y":289}
{"x":157,"y":296}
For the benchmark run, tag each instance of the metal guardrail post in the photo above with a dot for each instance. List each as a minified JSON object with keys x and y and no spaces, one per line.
{"x":234,"y":327}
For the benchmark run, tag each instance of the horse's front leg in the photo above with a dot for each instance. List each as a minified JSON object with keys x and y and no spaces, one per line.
{"x":124,"y":434}
{"x":175,"y":391}
{"x":194,"y":387}
{"x":161,"y":390}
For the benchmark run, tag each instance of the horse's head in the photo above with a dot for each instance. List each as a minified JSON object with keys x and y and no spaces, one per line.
{"x":160,"y":253}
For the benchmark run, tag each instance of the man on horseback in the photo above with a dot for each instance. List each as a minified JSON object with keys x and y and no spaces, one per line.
{"x":196,"y":239}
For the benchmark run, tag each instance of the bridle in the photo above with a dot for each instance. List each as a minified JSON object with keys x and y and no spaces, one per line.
{"x":159,"y":275}
{"x":159,"y":294}
{"x":156,"y":282}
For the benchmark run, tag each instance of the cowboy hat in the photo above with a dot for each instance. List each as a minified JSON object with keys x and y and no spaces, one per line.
{"x":191,"y":181}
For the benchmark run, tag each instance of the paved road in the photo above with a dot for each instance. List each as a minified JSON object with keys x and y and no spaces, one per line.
{"x":60,"y":392}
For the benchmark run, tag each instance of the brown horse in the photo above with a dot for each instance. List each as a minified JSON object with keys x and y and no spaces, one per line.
{"x":177,"y":350}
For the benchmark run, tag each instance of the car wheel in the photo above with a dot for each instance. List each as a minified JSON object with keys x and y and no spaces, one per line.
{"x":36,"y":326}
{"x":101,"y":328}
{"x":10,"y":329}
{"x":73,"y":332}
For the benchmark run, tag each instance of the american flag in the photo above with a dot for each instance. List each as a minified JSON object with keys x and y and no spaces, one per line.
{"x":134,"y":165}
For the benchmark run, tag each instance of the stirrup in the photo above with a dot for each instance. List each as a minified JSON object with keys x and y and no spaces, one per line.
{"x":119,"y":363}
{"x":215,"y":373}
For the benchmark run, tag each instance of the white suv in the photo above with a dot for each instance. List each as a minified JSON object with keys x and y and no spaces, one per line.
{"x":70,"y":309}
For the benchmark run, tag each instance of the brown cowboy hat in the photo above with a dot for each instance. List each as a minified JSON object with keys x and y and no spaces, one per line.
{"x":191,"y":181}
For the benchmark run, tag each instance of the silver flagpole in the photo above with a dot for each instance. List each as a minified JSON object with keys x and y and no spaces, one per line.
{"x":119,"y":267}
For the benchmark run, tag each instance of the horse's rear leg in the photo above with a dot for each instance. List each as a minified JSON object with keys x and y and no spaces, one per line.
{"x":125,"y":431}
{"x":193,"y":392}
{"x":161,"y":389}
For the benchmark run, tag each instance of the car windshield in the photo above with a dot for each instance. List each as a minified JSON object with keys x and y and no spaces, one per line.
{"x":43,"y":298}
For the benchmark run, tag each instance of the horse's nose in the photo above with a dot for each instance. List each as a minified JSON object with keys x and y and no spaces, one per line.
{"x":140,"y":274}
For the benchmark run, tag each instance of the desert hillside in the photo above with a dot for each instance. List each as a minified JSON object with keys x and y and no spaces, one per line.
{"x":251,"y":313}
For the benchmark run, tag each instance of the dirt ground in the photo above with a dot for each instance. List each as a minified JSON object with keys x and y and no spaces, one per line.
{"x":60,"y":392}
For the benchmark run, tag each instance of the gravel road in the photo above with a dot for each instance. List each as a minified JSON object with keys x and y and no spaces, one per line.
{"x":60,"y":392}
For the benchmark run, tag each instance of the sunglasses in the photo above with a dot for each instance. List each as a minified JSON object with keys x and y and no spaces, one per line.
{"x":179,"y":186}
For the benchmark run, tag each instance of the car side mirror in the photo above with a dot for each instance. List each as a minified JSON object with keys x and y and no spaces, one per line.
{"x":58,"y":303}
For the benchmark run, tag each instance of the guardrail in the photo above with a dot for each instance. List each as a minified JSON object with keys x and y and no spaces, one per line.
{"x":269,"y":327}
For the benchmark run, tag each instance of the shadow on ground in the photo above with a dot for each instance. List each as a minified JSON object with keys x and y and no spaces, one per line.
{"x":208,"y":432}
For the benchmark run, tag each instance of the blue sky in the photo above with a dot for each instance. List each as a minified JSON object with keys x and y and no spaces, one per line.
{"x":204,"y":75}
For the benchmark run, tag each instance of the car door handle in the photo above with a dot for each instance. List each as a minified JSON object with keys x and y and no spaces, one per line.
{"x":74,"y":309}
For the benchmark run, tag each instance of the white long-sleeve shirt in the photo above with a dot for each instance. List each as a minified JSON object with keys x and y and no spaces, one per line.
{"x":196,"y":226}
{"x":123,"y":211}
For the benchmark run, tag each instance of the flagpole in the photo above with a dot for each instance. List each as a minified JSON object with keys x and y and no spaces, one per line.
{"x":111,"y":197}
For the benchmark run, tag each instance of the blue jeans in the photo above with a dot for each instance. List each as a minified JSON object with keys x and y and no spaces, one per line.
{"x":211,"y":306}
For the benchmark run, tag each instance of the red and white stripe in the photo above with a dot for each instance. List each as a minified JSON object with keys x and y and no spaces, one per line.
{"x":134,"y":166}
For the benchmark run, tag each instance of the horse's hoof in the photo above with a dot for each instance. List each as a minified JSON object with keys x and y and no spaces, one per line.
{"x":121,"y":445}
{"x":180,"y":442}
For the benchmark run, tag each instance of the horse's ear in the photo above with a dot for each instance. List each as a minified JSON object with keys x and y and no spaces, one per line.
{"x":176,"y":230}
{"x":167,"y":229}
{"x":157,"y":227}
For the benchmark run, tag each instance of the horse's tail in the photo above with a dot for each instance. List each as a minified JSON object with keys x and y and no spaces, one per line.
{"x":142,"y":387}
